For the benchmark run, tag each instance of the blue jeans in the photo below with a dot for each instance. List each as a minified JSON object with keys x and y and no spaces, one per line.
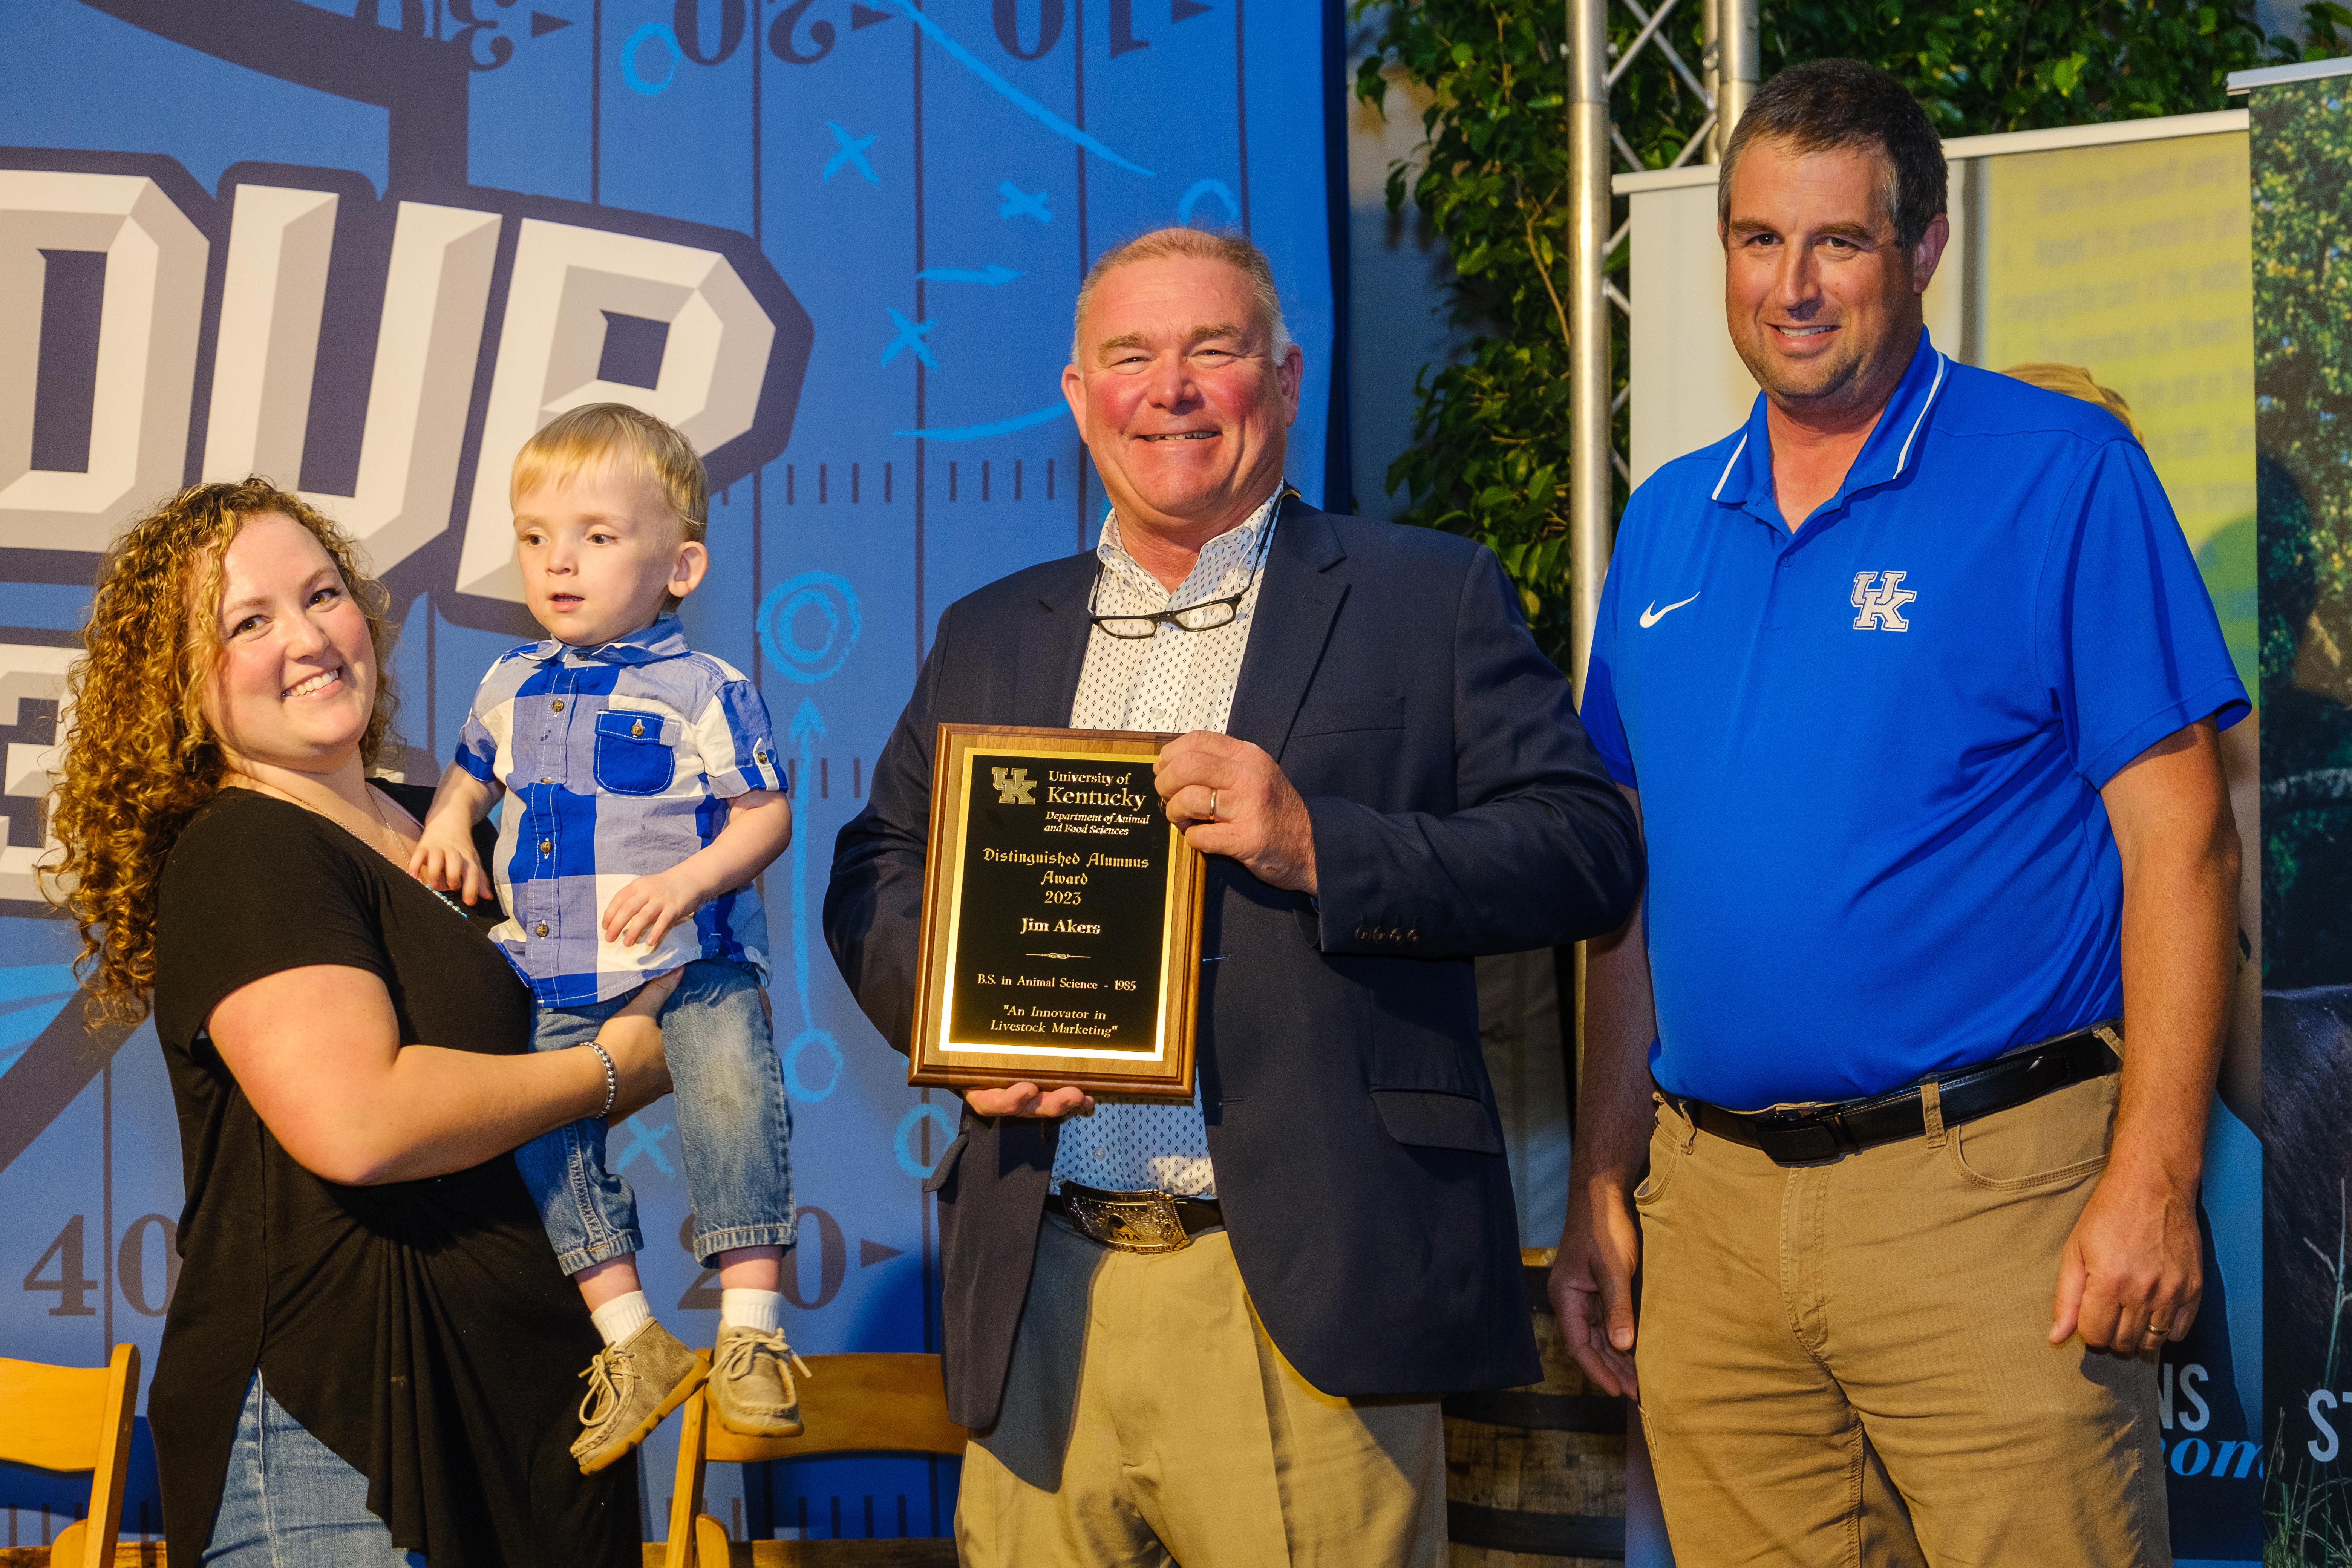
{"x":290,"y":1502}
{"x":734,"y":1130}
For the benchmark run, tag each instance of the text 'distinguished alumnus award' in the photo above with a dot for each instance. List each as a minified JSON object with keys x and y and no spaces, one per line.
{"x":1061,"y":916}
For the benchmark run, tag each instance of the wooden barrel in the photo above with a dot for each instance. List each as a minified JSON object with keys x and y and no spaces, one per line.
{"x":1534,"y":1476}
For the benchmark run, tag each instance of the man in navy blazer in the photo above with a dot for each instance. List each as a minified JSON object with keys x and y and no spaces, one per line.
{"x":1388,"y":779}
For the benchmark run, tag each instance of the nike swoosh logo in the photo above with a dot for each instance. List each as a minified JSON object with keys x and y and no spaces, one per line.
{"x":1652,"y":615}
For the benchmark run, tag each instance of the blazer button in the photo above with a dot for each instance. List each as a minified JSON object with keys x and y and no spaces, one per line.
{"x":1412,"y":936}
{"x":541,"y":927}
{"x":558,"y":705}
{"x":546,"y":846}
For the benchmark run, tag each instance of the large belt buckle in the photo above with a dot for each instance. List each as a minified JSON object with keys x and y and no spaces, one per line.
{"x":1800,"y":1137}
{"x":1128,"y":1222}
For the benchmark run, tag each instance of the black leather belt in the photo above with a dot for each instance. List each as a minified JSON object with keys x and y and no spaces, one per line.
{"x":1134,"y":1222}
{"x":1810,"y":1134}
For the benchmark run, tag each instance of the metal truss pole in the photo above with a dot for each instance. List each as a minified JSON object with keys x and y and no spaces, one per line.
{"x":1710,"y":69}
{"x":1591,"y":520}
{"x":1736,"y":70}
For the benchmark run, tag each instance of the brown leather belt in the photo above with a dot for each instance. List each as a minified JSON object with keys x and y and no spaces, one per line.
{"x":1811,"y":1134}
{"x":1134,"y":1222}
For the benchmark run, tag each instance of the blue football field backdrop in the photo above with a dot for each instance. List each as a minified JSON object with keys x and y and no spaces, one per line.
{"x":366,"y":247}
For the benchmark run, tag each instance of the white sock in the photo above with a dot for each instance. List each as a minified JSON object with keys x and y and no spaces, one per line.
{"x":621,"y":1316}
{"x":761,"y":1310}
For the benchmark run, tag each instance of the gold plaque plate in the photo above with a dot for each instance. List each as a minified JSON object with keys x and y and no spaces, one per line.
{"x":1061,"y":917}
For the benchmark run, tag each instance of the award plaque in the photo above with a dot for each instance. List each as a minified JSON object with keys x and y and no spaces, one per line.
{"x":1061,"y":918}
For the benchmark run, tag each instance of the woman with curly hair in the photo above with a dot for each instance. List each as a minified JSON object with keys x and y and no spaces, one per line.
{"x":368,"y":1359}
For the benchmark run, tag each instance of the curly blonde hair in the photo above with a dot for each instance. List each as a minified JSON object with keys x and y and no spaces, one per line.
{"x":141,"y":757}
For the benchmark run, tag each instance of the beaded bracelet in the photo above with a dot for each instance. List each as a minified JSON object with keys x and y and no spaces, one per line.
{"x":612,"y":1078}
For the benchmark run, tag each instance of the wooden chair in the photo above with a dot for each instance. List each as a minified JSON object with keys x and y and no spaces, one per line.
{"x":864,"y":1403}
{"x":75,"y":1418}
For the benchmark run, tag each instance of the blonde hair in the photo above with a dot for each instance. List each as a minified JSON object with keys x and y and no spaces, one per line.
{"x":2076,"y":381}
{"x":642,"y":446}
{"x":1196,"y":245}
{"x":141,"y":757}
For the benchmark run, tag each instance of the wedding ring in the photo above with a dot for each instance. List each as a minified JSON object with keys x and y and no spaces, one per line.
{"x":2157,"y":1330}
{"x":1213,"y":805}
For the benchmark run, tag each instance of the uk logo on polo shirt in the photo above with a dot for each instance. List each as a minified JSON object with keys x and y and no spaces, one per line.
{"x":1881,"y":607}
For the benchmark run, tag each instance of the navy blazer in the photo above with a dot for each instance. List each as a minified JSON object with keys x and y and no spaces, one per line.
{"x":1458,"y":810}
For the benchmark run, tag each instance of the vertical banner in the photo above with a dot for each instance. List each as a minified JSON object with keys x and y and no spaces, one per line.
{"x":367,"y":248}
{"x":2129,"y":261}
{"x":2302,"y":168}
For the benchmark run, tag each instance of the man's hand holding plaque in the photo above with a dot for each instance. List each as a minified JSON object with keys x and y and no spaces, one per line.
{"x":1029,"y":1099}
{"x":1232,"y":799}
{"x":1229,"y":799}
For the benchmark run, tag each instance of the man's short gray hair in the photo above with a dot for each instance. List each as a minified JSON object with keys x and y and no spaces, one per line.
{"x":1200,"y":244}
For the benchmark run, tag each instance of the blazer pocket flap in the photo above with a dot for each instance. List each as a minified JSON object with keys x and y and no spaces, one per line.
{"x":946,"y":1167}
{"x":1431,"y":1119}
{"x":1385,"y":712}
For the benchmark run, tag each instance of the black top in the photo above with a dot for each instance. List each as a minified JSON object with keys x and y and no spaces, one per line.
{"x":421,"y":1330}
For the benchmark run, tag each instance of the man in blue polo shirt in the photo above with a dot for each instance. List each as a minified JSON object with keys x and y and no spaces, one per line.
{"x":1917,"y":688}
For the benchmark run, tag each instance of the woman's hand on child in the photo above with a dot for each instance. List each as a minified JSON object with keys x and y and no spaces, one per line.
{"x":633,"y":1038}
{"x":645,"y":910}
{"x":448,"y":861}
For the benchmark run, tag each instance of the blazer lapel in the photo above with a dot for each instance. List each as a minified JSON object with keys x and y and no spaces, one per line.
{"x":1294,"y":611}
{"x":1052,"y":650}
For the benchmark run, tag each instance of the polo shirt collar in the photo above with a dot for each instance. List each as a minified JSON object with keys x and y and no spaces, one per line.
{"x":1890,"y":452}
{"x":666,"y":638}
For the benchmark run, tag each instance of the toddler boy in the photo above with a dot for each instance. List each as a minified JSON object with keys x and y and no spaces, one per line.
{"x":647,"y":797}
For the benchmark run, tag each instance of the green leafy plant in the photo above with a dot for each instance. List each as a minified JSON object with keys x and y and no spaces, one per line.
{"x":2303,"y":424}
{"x":1490,"y":448}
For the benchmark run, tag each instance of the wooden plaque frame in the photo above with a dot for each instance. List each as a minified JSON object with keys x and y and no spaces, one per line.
{"x":1159,"y":1070}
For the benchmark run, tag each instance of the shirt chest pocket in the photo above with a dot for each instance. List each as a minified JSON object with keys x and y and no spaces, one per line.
{"x":634,"y":754}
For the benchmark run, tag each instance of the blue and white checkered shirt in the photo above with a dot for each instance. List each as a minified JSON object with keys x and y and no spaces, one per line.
{"x":618,"y":761}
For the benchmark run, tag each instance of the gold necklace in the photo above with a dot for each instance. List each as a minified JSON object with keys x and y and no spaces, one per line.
{"x":383,"y":825}
{"x":384,"y":841}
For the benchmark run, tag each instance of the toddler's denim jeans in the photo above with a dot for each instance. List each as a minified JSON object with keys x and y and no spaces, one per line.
{"x":734,"y":1128}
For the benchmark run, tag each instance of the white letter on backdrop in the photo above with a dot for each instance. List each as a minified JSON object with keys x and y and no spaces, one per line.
{"x":151,"y":310}
{"x":273,"y":287}
{"x":565,"y":279}
{"x":27,"y":773}
{"x":437,"y":291}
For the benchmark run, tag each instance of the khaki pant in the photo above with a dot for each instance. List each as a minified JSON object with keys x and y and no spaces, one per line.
{"x":1148,"y":1419}
{"x":1849,"y":1365}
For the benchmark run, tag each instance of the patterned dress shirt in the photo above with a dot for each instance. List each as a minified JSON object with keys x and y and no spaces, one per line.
{"x":618,"y":761}
{"x":1173,"y":680}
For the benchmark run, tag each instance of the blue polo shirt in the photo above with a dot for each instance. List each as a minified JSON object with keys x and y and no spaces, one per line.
{"x":1869,"y":753}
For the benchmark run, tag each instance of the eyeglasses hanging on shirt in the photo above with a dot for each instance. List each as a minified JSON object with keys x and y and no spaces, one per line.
{"x":1206,"y":615}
